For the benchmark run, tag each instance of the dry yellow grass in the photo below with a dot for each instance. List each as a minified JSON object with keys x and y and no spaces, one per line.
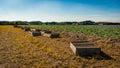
{"x":18,"y":49}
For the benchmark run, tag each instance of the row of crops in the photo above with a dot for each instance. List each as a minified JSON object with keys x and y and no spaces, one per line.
{"x":87,"y":30}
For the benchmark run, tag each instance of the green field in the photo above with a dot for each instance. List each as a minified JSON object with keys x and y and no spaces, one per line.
{"x":84,"y":29}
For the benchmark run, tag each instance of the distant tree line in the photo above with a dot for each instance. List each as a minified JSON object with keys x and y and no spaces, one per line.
{"x":87,"y":22}
{"x":13,"y":23}
{"x":45,"y":23}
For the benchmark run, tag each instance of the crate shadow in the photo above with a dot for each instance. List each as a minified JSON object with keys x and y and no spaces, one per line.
{"x":101,"y":56}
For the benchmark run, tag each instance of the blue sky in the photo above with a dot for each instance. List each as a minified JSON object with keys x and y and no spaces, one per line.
{"x":60,"y":10}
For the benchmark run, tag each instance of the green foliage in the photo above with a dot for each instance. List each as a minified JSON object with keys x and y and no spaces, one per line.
{"x":86,"y":29}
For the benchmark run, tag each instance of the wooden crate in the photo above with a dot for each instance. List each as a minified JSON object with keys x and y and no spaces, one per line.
{"x":52,"y":35}
{"x":16,"y":26}
{"x":84,"y":48}
{"x":35,"y":33}
{"x":26,"y":28}
{"x":55,"y":35}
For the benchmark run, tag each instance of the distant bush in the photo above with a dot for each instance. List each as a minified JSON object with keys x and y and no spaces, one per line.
{"x":88,"y":22}
{"x":35,"y":23}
